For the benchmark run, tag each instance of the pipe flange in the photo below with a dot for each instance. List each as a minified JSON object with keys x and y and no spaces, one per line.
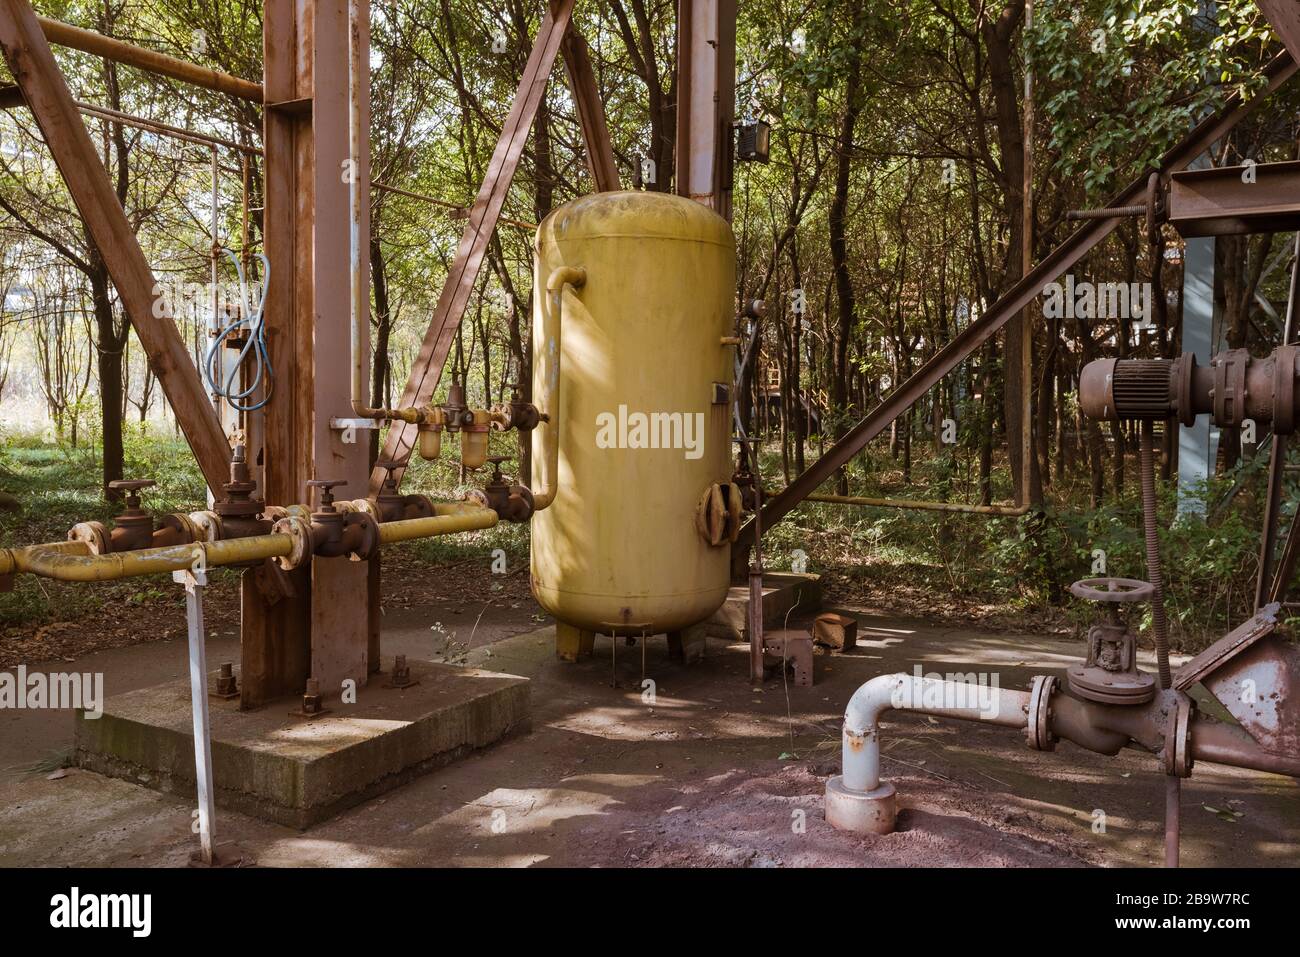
{"x":366,"y":507}
{"x":1284,"y":369}
{"x":1178,"y":745}
{"x":369,"y":536}
{"x":209,"y":525}
{"x":1184,"y":371}
{"x":94,"y":534}
{"x":711,"y":515}
{"x":735,"y":511}
{"x":1038,"y":728}
{"x":299,"y":531}
{"x":184,"y":524}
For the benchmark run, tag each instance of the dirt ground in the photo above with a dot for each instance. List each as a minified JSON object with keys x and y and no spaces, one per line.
{"x":707,"y":773}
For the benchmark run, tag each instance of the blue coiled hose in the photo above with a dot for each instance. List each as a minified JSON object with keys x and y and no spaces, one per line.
{"x":254,"y":346}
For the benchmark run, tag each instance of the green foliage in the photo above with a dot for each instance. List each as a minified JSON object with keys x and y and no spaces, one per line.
{"x":1122,"y":81}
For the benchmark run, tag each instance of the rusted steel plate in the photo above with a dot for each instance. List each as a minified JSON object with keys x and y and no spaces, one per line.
{"x":1263,"y":198}
{"x":1260,"y":687}
{"x":1262,"y":624}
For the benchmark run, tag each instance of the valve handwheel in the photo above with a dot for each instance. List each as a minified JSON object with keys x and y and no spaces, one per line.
{"x":1112,"y":590}
{"x":1110,"y":674}
{"x":131,"y":485}
{"x":326,"y":487}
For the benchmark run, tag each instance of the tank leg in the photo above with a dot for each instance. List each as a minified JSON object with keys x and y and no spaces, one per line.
{"x":687,"y":645}
{"x":573,"y":643}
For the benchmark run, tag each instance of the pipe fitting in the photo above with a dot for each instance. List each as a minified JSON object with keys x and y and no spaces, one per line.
{"x":856,"y":799}
{"x":549,"y":459}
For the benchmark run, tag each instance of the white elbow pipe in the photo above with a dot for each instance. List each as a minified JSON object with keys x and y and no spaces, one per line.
{"x":857,"y":800}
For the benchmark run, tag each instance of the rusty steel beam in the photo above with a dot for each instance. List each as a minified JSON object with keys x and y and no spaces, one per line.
{"x":1228,"y":200}
{"x":1020,"y":295}
{"x":32,"y":64}
{"x":591,"y":112}
{"x":88,"y":41}
{"x":1284,"y":17}
{"x":483,"y":218}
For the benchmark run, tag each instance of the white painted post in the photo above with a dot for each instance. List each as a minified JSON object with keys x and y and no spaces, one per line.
{"x":194,"y":581}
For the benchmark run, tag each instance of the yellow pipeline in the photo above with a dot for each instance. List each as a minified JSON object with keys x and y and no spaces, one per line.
{"x":72,"y":561}
{"x":452,"y":521}
{"x":13,"y":559}
{"x":560,"y":277}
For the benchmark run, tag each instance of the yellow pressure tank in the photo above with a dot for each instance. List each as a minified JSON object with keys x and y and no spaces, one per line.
{"x":633,"y":300}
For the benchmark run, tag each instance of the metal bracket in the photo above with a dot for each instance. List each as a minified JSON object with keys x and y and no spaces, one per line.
{"x":349,"y":428}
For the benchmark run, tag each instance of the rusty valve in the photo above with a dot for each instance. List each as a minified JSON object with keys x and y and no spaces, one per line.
{"x":512,"y":503}
{"x":339,"y":531}
{"x":516,"y":414}
{"x":1110,"y":674}
{"x":134,"y":527}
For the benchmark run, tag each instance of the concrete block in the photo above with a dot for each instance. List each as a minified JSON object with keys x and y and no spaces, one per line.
{"x":783,"y":593}
{"x":295,"y":771}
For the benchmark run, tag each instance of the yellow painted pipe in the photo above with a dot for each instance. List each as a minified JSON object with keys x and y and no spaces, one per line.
{"x":549,"y":460}
{"x":78,"y":565}
{"x":11,"y":559}
{"x":1009,"y":510}
{"x":457,"y":508}
{"x":450,"y":523}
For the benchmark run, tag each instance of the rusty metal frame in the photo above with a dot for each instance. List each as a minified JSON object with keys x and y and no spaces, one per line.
{"x":46,"y":92}
{"x":483,"y":217}
{"x":1020,"y":295}
{"x":88,"y":41}
{"x":1227,"y":200}
{"x":591,"y":112}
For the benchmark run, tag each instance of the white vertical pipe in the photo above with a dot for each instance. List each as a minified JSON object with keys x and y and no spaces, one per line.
{"x":193,"y":582}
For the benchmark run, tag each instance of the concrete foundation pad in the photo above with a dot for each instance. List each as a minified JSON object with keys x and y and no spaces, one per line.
{"x":784,"y":593}
{"x":295,"y":771}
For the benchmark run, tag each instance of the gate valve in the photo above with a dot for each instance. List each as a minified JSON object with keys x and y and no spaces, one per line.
{"x":512,"y":503}
{"x":326,"y":520}
{"x":1110,"y":674}
{"x":239,"y":511}
{"x":336,"y":532}
{"x":134,"y":527}
{"x":389,"y":500}
{"x":516,"y":414}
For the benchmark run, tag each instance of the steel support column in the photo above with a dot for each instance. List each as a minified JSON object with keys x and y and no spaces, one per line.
{"x":706,"y":94}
